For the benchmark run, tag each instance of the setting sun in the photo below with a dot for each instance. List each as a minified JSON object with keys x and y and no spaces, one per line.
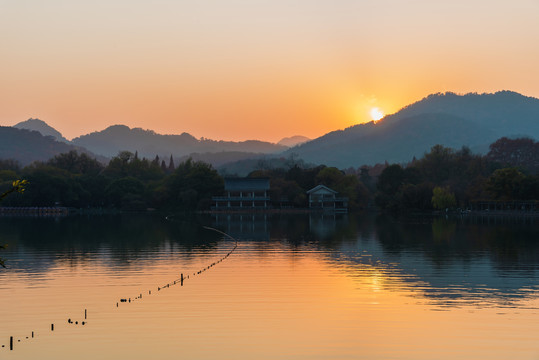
{"x":376,"y":114}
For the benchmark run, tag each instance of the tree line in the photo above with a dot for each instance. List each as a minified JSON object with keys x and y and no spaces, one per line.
{"x":442,"y":178}
{"x":127,"y":183}
{"x":445,"y":178}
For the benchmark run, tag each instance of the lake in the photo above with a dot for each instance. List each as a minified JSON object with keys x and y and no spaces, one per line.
{"x":353,"y":286}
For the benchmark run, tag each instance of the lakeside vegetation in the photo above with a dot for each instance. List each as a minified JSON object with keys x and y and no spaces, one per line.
{"x":442,"y":178}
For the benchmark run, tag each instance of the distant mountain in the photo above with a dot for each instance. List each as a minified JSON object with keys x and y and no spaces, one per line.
{"x":293,"y":140}
{"x":473,"y":120}
{"x":42,"y":127}
{"x":116,"y":138}
{"x":27,"y":146}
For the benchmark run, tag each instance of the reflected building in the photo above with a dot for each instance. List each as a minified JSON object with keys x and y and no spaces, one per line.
{"x":243,"y":226}
{"x":322,"y":225}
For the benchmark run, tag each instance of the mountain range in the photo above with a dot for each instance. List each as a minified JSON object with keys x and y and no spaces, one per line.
{"x":27,"y":146}
{"x":116,"y":138}
{"x":472,"y":120}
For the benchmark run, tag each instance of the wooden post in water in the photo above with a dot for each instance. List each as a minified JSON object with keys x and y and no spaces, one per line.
{"x":11,"y":343}
{"x":85,"y":314}
{"x":52,"y":327}
{"x":32,"y":334}
{"x":181,"y":279}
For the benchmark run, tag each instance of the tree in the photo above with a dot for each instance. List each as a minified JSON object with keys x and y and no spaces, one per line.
{"x":17,"y":186}
{"x":346,"y":185}
{"x":192,"y":185}
{"x":436,"y":166}
{"x":127,"y":193}
{"x":391,"y":179}
{"x":442,"y":198}
{"x":417,"y":197}
{"x":125,"y":164}
{"x":505,"y":184}
{"x":171,"y":166}
{"x":305,"y":178}
{"x":522,"y":153}
{"x":76,"y":163}
{"x":51,"y":186}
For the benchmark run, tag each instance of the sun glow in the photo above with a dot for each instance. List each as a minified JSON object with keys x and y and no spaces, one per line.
{"x":376,"y":114}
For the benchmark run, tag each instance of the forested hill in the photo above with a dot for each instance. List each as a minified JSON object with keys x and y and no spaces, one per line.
{"x":27,"y":146}
{"x":116,"y":138}
{"x":452,"y":120}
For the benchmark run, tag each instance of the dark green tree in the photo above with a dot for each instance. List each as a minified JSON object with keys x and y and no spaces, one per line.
{"x":192,"y":185}
{"x":504,"y":184}
{"x":76,"y":163}
{"x":18,"y":186}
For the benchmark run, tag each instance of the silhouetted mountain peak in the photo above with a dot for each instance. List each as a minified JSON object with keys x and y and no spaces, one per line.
{"x":42,"y":127}
{"x":26,"y":146}
{"x":293,"y":140}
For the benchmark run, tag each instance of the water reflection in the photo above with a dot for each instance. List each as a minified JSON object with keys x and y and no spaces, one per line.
{"x":446,"y":261}
{"x":36,"y":244}
{"x":454,"y":261}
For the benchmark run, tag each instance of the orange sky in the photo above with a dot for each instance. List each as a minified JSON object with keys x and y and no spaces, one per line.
{"x":259,"y":69}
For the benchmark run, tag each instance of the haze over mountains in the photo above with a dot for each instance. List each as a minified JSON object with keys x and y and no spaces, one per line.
{"x":116,"y":138}
{"x":473,"y":120}
{"x":27,"y":146}
{"x":293,"y":140}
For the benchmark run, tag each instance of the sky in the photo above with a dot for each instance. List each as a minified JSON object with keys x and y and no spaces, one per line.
{"x":253,"y":69}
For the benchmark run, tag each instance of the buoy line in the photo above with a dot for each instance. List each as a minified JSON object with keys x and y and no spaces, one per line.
{"x":180,"y":281}
{"x":183,"y":277}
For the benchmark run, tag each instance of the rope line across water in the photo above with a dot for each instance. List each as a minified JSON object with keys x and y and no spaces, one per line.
{"x":180,"y":281}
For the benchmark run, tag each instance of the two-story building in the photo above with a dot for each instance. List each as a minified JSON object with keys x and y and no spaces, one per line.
{"x":243,"y":194}
{"x":323,"y":198}
{"x":247,"y":194}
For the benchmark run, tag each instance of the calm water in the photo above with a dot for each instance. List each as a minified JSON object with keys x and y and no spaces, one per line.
{"x":296,"y":287}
